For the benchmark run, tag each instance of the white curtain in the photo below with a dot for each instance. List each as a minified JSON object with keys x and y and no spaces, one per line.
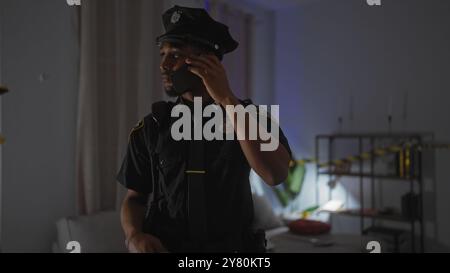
{"x":119,"y":79}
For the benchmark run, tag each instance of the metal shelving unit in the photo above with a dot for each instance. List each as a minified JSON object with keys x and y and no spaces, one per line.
{"x":415,"y":181}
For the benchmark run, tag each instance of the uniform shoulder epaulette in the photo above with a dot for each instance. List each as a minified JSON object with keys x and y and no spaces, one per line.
{"x":137,"y":127}
{"x":161,"y":112}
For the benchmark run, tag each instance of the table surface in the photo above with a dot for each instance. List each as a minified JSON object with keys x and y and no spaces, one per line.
{"x":288,"y":242}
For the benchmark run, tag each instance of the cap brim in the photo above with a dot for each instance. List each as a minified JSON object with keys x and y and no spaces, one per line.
{"x":176,"y":37}
{"x":170,"y":38}
{"x":189,"y":39}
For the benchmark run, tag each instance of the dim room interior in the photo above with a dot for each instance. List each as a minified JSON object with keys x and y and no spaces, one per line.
{"x":362,"y":96}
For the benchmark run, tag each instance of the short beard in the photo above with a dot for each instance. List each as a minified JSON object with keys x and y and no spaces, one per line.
{"x":171,"y":92}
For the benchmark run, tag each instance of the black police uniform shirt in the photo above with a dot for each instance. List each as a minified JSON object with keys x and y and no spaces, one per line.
{"x":229,"y":205}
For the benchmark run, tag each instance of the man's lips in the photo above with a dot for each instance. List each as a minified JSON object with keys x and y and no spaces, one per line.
{"x":166,"y":80}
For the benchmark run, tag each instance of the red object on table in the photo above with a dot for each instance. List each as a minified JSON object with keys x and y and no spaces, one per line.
{"x":309,"y":227}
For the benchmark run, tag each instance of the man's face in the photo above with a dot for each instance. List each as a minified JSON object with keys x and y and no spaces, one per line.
{"x":172,"y":58}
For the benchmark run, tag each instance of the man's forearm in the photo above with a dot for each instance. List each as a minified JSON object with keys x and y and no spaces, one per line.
{"x":272,"y":166}
{"x":132,"y":215}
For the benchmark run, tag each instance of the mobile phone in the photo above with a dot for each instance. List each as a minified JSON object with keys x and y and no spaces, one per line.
{"x":184,"y":80}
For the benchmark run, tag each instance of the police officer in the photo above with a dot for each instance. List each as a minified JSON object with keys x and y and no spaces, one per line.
{"x":194,"y":196}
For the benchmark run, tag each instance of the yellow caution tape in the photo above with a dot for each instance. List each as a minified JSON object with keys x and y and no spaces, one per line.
{"x":338,"y":162}
{"x":352,"y":158}
{"x":394,"y":149}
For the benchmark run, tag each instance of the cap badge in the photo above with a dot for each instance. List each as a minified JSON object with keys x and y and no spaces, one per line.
{"x":175,"y":17}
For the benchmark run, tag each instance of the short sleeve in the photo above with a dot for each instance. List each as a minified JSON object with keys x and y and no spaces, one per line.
{"x":135,"y":172}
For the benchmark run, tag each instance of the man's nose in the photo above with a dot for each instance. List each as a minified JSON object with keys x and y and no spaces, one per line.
{"x":165,"y":65}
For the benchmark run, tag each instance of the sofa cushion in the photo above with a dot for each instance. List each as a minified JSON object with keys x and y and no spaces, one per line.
{"x":97,"y":233}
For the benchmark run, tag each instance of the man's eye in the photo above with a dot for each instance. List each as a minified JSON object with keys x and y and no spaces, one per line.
{"x":176,"y":56}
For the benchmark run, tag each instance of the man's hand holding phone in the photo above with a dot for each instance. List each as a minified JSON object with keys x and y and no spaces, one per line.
{"x":209,"y":68}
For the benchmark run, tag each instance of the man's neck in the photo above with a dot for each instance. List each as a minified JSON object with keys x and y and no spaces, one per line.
{"x":189,"y":96}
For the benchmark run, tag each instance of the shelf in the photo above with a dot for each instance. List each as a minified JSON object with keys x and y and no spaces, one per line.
{"x":381,"y":176}
{"x":369,"y":141}
{"x":357,"y":213}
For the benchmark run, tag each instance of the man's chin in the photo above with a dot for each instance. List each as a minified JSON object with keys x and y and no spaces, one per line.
{"x":170,"y":91}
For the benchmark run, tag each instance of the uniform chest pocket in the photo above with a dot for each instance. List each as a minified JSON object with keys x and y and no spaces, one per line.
{"x":171,"y":168}
{"x":167,"y":162}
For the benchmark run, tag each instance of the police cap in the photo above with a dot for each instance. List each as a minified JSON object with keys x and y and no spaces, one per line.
{"x":195,"y":26}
